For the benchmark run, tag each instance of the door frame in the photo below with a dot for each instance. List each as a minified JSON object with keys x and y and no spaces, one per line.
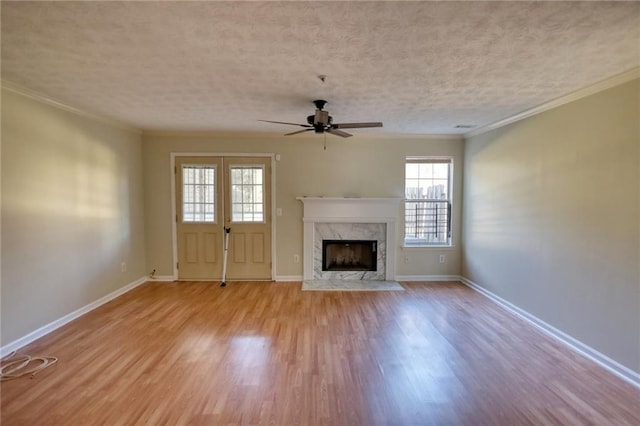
{"x":174,"y":212}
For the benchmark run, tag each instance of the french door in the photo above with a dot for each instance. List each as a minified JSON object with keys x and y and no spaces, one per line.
{"x":217,"y":192}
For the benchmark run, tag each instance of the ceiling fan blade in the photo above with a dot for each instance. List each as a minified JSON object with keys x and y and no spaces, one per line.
{"x":339,"y":133}
{"x":355,"y":125}
{"x":298,"y":131}
{"x":282,"y":122}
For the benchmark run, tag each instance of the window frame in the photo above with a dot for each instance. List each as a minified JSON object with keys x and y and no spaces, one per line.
{"x":423,"y":243}
{"x":215,"y":193}
{"x":264,"y":198}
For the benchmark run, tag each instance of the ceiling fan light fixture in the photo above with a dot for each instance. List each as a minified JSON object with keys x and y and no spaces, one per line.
{"x":322,"y":117}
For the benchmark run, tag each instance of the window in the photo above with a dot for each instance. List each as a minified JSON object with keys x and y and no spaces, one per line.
{"x":427,"y":206}
{"x":247,"y":194}
{"x":198,"y":193}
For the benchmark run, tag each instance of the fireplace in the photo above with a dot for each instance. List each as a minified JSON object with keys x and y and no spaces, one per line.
{"x":349,"y":255}
{"x":361,"y":219}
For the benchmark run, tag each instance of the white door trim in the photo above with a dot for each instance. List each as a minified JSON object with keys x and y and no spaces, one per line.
{"x":174,"y":212}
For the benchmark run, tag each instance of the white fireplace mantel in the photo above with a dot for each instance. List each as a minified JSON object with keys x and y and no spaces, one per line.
{"x":349,"y":210}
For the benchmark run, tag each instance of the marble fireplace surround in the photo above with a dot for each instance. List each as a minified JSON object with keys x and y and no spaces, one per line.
{"x":349,"y":218}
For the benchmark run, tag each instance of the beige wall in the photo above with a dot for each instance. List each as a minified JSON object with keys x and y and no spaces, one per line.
{"x":551,"y":218}
{"x":367,"y":166}
{"x":71,"y":212}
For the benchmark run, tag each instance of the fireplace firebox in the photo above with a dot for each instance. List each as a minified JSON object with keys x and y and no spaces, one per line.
{"x":349,"y":255}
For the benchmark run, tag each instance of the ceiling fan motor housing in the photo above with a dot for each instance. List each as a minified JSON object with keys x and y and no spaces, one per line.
{"x":321,"y":120}
{"x":320,"y":103}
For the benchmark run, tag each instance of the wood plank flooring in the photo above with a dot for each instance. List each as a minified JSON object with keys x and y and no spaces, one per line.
{"x":268,"y":353}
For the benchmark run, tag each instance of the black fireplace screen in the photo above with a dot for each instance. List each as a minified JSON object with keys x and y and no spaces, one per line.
{"x":349,"y":255}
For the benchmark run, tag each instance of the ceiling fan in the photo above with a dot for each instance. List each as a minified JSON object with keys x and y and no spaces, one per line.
{"x":322,"y":122}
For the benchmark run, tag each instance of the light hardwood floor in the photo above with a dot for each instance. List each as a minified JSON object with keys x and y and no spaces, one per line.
{"x":268,"y":353}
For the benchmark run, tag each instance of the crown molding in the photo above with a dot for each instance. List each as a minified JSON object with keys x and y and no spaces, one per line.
{"x":227,"y":134}
{"x":32,"y":94}
{"x":608,"y":83}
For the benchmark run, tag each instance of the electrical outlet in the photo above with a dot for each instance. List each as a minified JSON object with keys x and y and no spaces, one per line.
{"x":406,"y":259}
{"x":442,"y":258}
{"x":123,"y":267}
{"x":278,"y":211}
{"x":296,"y":258}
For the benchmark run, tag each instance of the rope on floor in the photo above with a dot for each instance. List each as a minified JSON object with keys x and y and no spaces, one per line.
{"x":24,"y":365}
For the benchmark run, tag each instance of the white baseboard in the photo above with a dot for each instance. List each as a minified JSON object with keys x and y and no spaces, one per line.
{"x":288,"y":278}
{"x":587,"y":351}
{"x":46,"y":329}
{"x":405,"y":278}
{"x":409,"y":278}
{"x":162,"y":278}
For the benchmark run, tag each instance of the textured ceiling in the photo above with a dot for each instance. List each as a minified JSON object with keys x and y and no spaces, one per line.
{"x":420,"y":67}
